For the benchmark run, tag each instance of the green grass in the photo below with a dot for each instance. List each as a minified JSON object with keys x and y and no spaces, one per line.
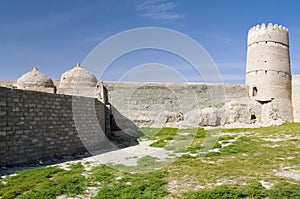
{"x":149,"y":132}
{"x":142,"y":185}
{"x":144,"y":164}
{"x":44,"y":182}
{"x":204,"y":140}
{"x":217,"y":105}
{"x":241,"y":145}
{"x":164,"y":135}
{"x":254,"y":190}
{"x":285,"y":190}
{"x":27,"y":180}
{"x":102,"y":174}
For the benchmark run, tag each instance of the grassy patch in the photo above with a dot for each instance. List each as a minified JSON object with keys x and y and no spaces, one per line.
{"x":241,"y":145}
{"x":141,"y":185}
{"x":254,"y":190}
{"x":205,"y":140}
{"x":149,"y":132}
{"x":166,"y":133}
{"x":102,"y":174}
{"x":159,"y":143}
{"x":163,"y":136}
{"x":149,"y":162}
{"x":146,"y":163}
{"x":45,"y":182}
{"x":285,"y":190}
{"x":27,"y":180}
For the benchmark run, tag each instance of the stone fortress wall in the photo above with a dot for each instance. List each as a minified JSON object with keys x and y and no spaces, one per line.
{"x":39,"y":125}
{"x":172,"y":104}
{"x":40,"y":122}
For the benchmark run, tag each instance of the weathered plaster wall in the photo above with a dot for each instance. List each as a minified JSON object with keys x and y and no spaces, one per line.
{"x":167,"y":104}
{"x":36,"y":126}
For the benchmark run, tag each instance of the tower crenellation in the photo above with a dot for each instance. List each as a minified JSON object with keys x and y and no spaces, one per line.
{"x":268,"y":33}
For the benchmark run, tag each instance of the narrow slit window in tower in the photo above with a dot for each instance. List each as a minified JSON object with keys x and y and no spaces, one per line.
{"x":254,"y":91}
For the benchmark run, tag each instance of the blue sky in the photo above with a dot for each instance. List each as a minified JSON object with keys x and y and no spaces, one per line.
{"x":55,"y":35}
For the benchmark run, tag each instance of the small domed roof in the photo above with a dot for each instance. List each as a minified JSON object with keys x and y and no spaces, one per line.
{"x":33,"y":79}
{"x":78,"y":76}
{"x":76,"y":81}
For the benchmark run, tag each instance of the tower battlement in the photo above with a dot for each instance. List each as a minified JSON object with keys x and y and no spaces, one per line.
{"x":271,"y":33}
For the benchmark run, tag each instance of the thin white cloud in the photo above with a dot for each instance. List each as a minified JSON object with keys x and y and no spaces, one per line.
{"x":157,"y":5}
{"x":159,"y":9}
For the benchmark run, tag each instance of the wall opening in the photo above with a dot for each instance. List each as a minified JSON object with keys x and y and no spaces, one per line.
{"x":254,"y":91}
{"x":253,"y":118}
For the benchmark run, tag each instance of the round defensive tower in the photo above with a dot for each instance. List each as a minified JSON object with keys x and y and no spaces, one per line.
{"x":268,"y":72}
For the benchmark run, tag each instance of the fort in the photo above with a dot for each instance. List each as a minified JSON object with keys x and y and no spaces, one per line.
{"x":41,"y":118}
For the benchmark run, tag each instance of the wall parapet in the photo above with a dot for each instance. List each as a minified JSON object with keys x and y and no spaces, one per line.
{"x":276,"y":33}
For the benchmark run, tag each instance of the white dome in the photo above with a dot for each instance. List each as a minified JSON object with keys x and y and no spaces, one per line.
{"x":77,"y":81}
{"x":35,"y":80}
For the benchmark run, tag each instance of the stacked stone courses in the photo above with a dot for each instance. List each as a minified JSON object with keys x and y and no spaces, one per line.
{"x":39,"y":126}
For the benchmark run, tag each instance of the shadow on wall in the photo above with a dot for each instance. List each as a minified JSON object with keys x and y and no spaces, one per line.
{"x":124,"y":132}
{"x":102,"y":134}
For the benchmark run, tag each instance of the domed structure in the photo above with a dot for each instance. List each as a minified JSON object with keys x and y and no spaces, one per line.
{"x":77,"y":81}
{"x":36,"y":81}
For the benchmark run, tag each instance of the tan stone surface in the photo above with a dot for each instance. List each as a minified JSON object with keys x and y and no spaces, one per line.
{"x":36,"y":81}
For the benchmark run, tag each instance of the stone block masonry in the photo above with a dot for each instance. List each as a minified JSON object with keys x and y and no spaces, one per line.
{"x":38,"y":126}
